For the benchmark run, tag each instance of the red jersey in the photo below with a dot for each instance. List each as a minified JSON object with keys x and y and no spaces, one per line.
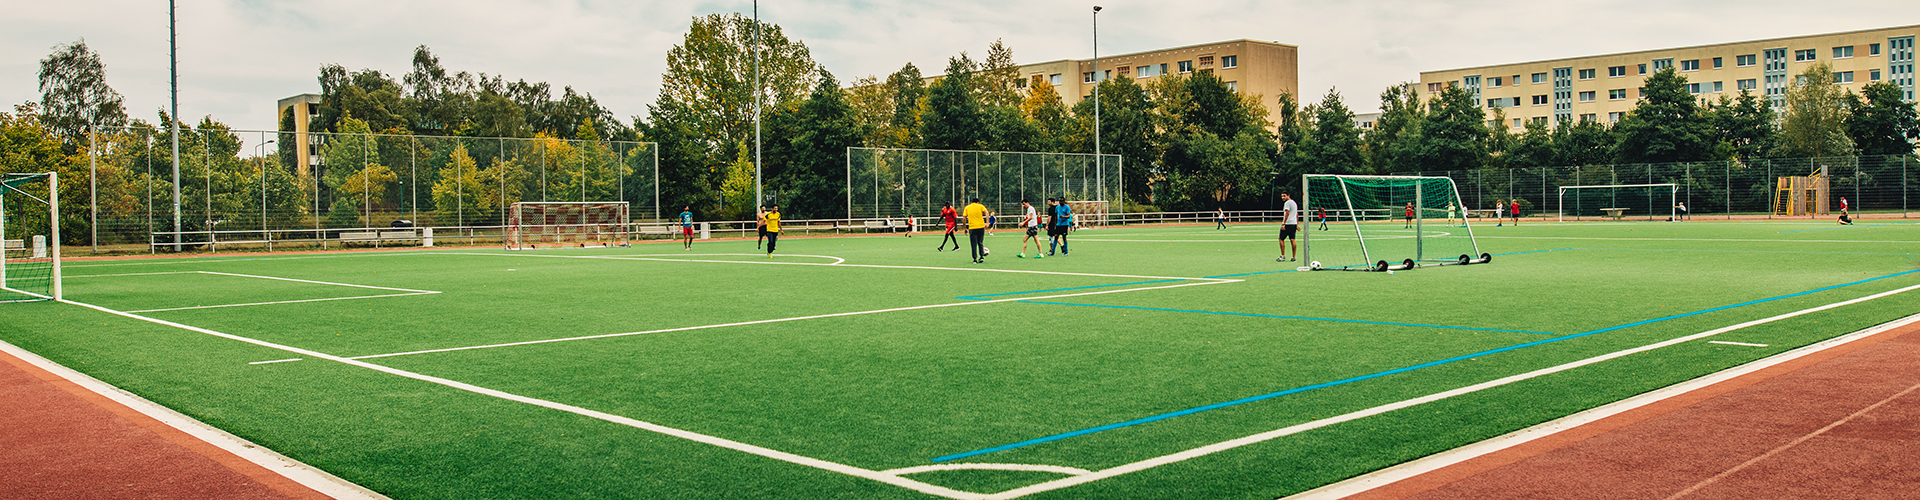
{"x":949,"y":216}
{"x":1409,"y":211}
{"x":1516,"y":209}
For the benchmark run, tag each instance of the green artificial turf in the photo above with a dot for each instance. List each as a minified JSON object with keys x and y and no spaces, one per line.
{"x":1129,"y":326}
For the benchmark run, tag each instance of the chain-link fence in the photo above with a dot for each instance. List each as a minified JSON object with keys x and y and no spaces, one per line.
{"x":916,"y":182}
{"x":272,"y":184}
{"x":1871,"y":184}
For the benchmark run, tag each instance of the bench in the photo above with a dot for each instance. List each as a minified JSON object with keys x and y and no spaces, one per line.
{"x":14,"y":244}
{"x":659,"y":230}
{"x":1615,"y":213}
{"x":887,"y":225}
{"x":375,"y":237}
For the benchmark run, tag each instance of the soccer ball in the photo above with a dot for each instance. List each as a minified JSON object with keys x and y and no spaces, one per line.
{"x":984,"y":251}
{"x":1315,"y":265}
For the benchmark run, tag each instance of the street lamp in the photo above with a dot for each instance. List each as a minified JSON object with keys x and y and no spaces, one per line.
{"x":259,"y":153}
{"x":1099,"y":167}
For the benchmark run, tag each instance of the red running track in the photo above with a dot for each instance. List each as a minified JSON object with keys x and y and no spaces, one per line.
{"x":1839,"y":423}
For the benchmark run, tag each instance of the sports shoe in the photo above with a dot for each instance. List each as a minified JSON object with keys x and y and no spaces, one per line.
{"x":1282,"y":259}
{"x":1039,"y":256}
{"x":1019,"y":255}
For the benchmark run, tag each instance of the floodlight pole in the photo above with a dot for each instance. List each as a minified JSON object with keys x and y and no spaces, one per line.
{"x":1098,"y":166}
{"x":173,"y":71}
{"x":259,"y":153}
{"x":759,"y":199}
{"x":93,"y":185}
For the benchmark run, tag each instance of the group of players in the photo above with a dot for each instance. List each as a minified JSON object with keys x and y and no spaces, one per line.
{"x":1058,"y":220}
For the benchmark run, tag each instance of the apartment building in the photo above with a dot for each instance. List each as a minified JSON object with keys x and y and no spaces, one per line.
{"x":1248,"y":67}
{"x":1605,"y":87}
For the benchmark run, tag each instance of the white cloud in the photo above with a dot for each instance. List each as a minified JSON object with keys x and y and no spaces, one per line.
{"x":239,"y":56}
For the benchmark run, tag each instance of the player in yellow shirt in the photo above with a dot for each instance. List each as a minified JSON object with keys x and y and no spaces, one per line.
{"x":977,"y":229}
{"x":773,"y":229}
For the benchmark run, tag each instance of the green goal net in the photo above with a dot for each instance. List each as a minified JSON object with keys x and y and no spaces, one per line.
{"x":29,"y":238}
{"x":1380,"y":223}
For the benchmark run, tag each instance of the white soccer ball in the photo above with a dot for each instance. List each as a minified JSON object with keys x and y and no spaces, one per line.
{"x":984,"y":251}
{"x":1315,"y":265}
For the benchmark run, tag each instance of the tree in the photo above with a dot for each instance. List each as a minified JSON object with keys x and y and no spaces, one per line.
{"x":953,"y":119}
{"x":1049,"y":115}
{"x":1334,"y":145}
{"x":685,"y":179}
{"x":1533,"y":149}
{"x":710,"y":80}
{"x":909,"y":92}
{"x":998,"y":80}
{"x":813,"y":177}
{"x":1584,"y":143}
{"x":1454,"y":134}
{"x":74,"y":96}
{"x":1665,"y":126}
{"x":1815,"y":122}
{"x":1126,"y":129}
{"x":872,"y":104}
{"x":1881,"y":122}
{"x":1743,"y":126}
{"x":1400,"y":118}
{"x":1217,"y":150}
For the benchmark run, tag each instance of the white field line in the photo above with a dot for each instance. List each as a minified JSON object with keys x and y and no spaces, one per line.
{"x":691,"y":436}
{"x":875,"y":266}
{"x":1206,"y":281}
{"x":1071,"y":471}
{"x":1441,"y":460}
{"x":127,"y":274}
{"x":318,"y":282}
{"x":666,"y":256}
{"x":1735,"y":240}
{"x":171,"y":261}
{"x":1296,"y":429}
{"x":306,"y":475}
{"x":282,"y":302}
{"x":1743,"y":344}
{"x":273,"y":361}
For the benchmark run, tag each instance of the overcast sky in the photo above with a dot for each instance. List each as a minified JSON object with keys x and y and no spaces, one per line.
{"x":239,"y":56}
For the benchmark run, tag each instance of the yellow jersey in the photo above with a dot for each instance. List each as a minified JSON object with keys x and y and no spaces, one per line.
{"x":976,"y":216}
{"x":773,"y":222}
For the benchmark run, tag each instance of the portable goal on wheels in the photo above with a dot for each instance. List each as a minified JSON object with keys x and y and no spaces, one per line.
{"x":1362,"y":214}
{"x":532,"y":224}
{"x":1620,"y":200}
{"x":29,"y":237}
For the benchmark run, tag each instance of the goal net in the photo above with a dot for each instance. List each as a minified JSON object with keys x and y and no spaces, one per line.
{"x":886,"y":182}
{"x":29,"y":237}
{"x":1649,"y":201}
{"x":535,"y":224}
{"x":1368,"y":227}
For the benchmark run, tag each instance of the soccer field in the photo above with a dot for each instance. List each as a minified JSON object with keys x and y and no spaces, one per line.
{"x":1153,"y":362}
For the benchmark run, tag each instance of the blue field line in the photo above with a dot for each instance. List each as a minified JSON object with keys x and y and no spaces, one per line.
{"x":978,"y":297}
{"x":1840,"y":227}
{"x":1308,"y":318}
{"x":1349,"y":380}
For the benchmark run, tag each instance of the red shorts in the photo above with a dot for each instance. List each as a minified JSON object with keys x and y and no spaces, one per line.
{"x":686,"y":230}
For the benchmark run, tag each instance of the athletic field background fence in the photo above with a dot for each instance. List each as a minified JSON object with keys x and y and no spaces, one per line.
{"x":1873,"y":184}
{"x":884,"y":182}
{"x":254,"y":180}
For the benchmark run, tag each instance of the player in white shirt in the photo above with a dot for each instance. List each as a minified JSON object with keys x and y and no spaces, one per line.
{"x":1030,"y":222}
{"x":1287,"y":229}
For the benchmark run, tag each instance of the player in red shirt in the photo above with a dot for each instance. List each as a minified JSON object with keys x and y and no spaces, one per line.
{"x":1515,"y":207}
{"x":949,"y":216}
{"x":1409,"y":215}
{"x":1323,"y":218}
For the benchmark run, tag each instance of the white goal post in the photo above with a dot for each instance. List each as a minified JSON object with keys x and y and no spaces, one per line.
{"x":30,"y":237}
{"x":531,"y":224}
{"x":1360,"y":232}
{"x":1618,"y":208}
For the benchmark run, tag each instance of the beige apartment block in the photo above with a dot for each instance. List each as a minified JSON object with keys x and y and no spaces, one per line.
{"x":1248,"y":66}
{"x":1605,"y":87}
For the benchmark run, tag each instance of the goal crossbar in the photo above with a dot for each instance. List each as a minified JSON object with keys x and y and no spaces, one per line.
{"x":1673,"y":191}
{"x":1355,"y":218}
{"x":531,"y":223}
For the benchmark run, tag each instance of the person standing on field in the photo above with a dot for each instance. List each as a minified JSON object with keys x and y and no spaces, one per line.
{"x":1499,"y":209}
{"x":1219,"y":218}
{"x":950,"y":218}
{"x":1062,"y":223}
{"x":977,"y":230}
{"x":773,"y":229}
{"x":1515,"y":207}
{"x":1290,"y":223}
{"x":686,"y":225}
{"x":1031,"y":223}
{"x":1409,"y":216}
{"x":760,"y":226}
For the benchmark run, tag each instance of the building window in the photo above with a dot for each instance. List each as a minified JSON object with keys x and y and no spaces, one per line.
{"x":1660,"y":64}
{"x":1233,"y":86}
{"x":1640,"y":93}
{"x":1494,"y":103}
{"x":1539,"y":78}
{"x":1843,"y":77}
{"x":1718,"y":87}
{"x":1617,"y":95}
{"x":1616,"y":116}
{"x":1229,"y":61}
{"x":1744,"y":61}
{"x":1206,"y":61}
{"x":1086,"y":77}
{"x":1716,"y":63}
{"x":1122,"y":71}
{"x":1616,"y":71}
{"x":1186,"y":67}
{"x":1693,"y":88}
{"x":1589,"y":118}
{"x":1162,"y":70}
{"x":1843,"y":52}
{"x":1493,"y":82}
{"x":1873,"y":76}
{"x":1539,"y":120}
{"x":1643,"y":69}
{"x":1805,"y":55}
{"x":1493,"y":123}
{"x":1873,"y":49}
{"x":1690,"y":65}
{"x":1433,"y":87}
{"x":1586,"y":74}
{"x":1054,"y":79}
{"x":1516,"y":102}
{"x":1588,"y":96}
{"x":1540,"y":100}
{"x":1516,"y":123}
{"x":1144,"y":71}
{"x":1747,"y":84}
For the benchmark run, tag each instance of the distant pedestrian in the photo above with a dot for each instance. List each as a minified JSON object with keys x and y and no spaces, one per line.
{"x":1323,"y":217}
{"x":1499,"y":209}
{"x":1031,"y":223}
{"x":1062,"y":223}
{"x":1219,"y":218}
{"x":686,"y":225}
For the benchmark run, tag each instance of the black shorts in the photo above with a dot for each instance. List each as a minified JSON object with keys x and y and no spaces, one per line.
{"x":1033,"y":231}
{"x":1286,"y":231}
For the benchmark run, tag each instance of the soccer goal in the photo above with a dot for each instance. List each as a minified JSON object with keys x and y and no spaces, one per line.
{"x":1369,"y":229}
{"x":29,"y":237}
{"x":886,"y":182}
{"x":554,"y":224}
{"x":1617,"y":201}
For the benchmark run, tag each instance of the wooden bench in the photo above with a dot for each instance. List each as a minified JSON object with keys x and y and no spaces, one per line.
{"x":1615,"y":213}
{"x":14,"y":244}
{"x":656,"y":230}
{"x":375,"y":237}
